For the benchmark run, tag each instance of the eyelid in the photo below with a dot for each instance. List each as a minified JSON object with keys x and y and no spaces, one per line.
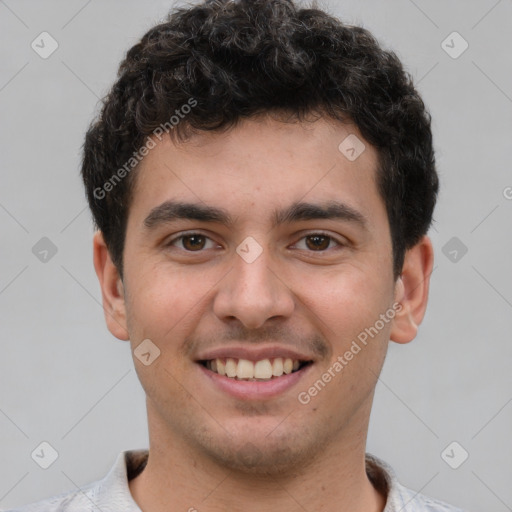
{"x":183,"y":234}
{"x":339,"y":240}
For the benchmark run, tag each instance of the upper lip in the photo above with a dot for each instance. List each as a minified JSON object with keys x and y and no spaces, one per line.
{"x":253,"y":353}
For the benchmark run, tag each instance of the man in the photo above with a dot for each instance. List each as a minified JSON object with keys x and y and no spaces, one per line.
{"x":263,"y":179}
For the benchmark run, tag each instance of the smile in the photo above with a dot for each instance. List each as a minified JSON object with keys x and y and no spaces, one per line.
{"x":262,"y":379}
{"x":262,"y":370}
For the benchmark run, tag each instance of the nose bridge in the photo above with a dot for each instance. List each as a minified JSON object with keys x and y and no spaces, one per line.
{"x":254,"y":276}
{"x":252,"y":291}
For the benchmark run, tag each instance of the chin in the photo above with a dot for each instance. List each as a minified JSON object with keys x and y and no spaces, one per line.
{"x":263,"y":456}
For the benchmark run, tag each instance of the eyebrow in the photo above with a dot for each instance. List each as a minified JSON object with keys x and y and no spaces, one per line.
{"x":309,"y":211}
{"x":170,"y":211}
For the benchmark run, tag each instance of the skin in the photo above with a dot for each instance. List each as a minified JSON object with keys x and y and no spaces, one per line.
{"x":209,"y":450}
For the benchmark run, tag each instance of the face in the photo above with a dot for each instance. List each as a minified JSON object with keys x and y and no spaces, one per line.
{"x":263,"y":253}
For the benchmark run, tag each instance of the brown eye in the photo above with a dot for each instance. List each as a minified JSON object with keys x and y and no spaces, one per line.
{"x":318,"y":242}
{"x":193,"y":242}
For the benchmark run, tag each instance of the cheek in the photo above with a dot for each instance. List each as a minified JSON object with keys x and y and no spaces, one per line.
{"x":160,"y":301}
{"x":345,"y":300}
{"x":347,"y":306}
{"x":164,"y":308}
{"x":167,"y":303}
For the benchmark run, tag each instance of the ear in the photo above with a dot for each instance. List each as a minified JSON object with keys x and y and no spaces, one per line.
{"x":411,"y":291}
{"x":112,"y":289}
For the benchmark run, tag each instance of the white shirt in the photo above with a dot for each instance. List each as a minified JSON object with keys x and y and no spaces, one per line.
{"x":112,"y":493}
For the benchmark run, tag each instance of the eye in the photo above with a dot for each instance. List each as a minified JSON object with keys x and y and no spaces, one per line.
{"x":193,"y":242}
{"x":318,"y":242}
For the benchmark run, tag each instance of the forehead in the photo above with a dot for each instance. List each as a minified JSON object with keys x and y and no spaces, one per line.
{"x":261,"y":163}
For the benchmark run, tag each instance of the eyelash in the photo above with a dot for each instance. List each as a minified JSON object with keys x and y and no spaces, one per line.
{"x":314,"y":233}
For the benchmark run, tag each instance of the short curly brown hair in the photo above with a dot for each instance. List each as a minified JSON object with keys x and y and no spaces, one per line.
{"x":237,"y":59}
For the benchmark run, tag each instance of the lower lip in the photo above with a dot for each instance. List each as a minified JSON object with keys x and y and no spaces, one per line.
{"x":256,"y":390}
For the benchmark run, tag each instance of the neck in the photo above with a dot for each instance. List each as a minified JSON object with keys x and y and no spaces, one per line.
{"x":178,"y":478}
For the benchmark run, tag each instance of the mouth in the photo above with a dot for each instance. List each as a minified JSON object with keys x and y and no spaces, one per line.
{"x":263,"y":370}
{"x":264,"y":379}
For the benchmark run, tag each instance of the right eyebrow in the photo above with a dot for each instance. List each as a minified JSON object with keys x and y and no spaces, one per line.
{"x":174,"y":210}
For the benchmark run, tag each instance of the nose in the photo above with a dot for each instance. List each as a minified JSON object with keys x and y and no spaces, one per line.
{"x":253,"y":293}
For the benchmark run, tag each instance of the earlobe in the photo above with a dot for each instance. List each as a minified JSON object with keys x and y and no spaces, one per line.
{"x":411,"y":291}
{"x":112,"y":289}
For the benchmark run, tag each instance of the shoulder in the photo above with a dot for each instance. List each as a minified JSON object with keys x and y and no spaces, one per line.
{"x":69,"y":501}
{"x":400,"y":498}
{"x":110,"y":493}
{"x":408,"y":500}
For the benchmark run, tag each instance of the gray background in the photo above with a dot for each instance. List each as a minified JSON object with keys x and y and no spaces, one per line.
{"x":65,"y":380}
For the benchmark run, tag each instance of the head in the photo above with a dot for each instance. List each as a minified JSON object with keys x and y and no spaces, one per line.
{"x":233,"y":115}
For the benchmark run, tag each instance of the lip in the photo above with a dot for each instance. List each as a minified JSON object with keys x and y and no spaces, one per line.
{"x":255,"y":390}
{"x":254,"y":353}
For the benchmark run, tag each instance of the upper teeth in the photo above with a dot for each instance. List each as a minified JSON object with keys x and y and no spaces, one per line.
{"x":245,"y":369}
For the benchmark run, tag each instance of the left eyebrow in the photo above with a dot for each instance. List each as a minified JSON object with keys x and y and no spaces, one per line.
{"x":331,"y":210}
{"x":169,"y":211}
